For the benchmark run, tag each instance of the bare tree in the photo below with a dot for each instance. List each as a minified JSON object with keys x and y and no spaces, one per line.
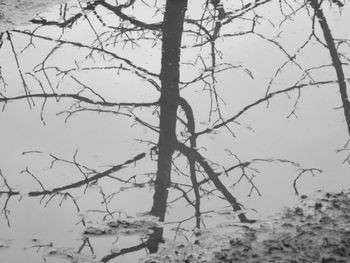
{"x":115,"y":32}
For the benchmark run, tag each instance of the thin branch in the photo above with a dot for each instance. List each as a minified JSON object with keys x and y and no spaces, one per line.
{"x":78,"y":183}
{"x":264,"y":99}
{"x":214,"y":177}
{"x":80,"y":45}
{"x":302,"y":172}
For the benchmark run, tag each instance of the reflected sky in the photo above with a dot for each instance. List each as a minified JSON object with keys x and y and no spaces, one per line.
{"x":306,"y":129}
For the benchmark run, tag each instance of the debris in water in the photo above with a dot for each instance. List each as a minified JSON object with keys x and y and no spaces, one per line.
{"x":315,"y":231}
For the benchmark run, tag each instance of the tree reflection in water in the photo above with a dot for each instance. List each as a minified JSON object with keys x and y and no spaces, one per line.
{"x":118,"y":30}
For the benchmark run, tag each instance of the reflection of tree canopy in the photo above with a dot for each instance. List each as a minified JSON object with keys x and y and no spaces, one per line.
{"x":124,"y":38}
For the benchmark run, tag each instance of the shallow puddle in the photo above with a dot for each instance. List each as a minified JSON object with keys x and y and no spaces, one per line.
{"x":91,"y":104}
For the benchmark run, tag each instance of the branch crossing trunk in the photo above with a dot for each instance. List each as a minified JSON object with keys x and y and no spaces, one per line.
{"x":172,"y":29}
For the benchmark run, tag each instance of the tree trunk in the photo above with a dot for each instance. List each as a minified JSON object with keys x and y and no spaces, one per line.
{"x":172,"y":29}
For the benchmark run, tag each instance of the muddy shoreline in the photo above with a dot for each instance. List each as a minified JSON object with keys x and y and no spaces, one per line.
{"x":317,"y":230}
{"x":14,"y":13}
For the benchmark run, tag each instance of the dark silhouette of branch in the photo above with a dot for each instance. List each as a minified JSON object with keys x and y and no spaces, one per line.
{"x":78,"y":98}
{"x":214,"y":177}
{"x":122,"y":252}
{"x":337,"y":64}
{"x":80,"y":45}
{"x":346,"y":148}
{"x":77,"y":184}
{"x":291,"y":59}
{"x":9,"y":190}
{"x":24,"y":83}
{"x":193,"y":144}
{"x":262,"y":100}
{"x":230,"y":16}
{"x":302,"y":172}
{"x":151,"y":244}
{"x":9,"y":194}
{"x":244,"y":166}
{"x":117,"y":10}
{"x":68,"y":23}
{"x":36,"y":179}
{"x":86,"y":243}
